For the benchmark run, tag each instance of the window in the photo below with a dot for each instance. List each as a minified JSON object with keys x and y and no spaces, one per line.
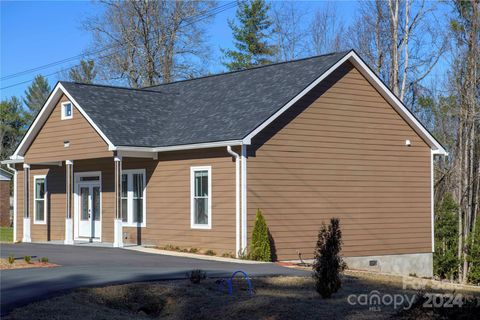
{"x":39,"y":200}
{"x":67,"y":110}
{"x":201,"y":197}
{"x":133,"y":198}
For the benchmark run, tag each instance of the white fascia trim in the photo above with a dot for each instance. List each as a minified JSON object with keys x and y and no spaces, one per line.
{"x":43,"y":116}
{"x":179,"y":147}
{"x":378,"y":84}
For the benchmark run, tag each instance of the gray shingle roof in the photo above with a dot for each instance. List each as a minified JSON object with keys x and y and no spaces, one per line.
{"x":214,"y":108}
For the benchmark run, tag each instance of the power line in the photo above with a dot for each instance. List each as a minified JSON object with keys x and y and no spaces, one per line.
{"x":201,"y":16}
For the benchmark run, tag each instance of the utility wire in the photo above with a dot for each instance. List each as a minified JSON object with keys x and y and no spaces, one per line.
{"x":201,"y":16}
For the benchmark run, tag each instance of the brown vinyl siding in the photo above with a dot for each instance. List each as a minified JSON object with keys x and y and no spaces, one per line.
{"x":48,"y":145}
{"x":167,"y":200}
{"x":340,"y":152}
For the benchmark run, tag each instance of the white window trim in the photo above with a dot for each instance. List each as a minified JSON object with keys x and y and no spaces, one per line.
{"x":130,"y":222}
{"x":35,"y":221}
{"x":192,"y":201}
{"x":64,"y":117}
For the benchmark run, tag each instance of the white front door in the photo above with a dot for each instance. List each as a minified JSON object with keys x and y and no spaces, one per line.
{"x":89,"y":215}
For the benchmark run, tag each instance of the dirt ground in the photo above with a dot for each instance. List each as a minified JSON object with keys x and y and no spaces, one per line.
{"x":273,"y":298}
{"x":21,"y":264}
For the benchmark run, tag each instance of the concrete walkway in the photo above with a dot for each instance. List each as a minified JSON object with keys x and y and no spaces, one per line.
{"x":84,"y":266}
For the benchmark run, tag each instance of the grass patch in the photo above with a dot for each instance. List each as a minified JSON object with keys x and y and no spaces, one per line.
{"x":274,"y":298}
{"x":6,"y":234}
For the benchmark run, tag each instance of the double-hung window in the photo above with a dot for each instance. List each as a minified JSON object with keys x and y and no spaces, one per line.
{"x":39,"y":199}
{"x":201,"y":197}
{"x":133,"y":198}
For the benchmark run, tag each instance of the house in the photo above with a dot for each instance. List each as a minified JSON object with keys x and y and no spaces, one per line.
{"x":5,"y":177}
{"x":190,"y":162}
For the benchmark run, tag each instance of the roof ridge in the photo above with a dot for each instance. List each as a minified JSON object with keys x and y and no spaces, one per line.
{"x":248,"y":69}
{"x":109,"y":86}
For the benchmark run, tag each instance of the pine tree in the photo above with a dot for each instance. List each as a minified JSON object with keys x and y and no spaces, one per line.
{"x":37,"y":94}
{"x":251,"y":36}
{"x":12,"y":125}
{"x":473,"y":254}
{"x":84,"y":73}
{"x":327,"y":261}
{"x":260,"y":248}
{"x":445,"y":262}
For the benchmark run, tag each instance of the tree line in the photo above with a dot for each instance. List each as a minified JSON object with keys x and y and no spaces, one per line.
{"x":145,"y":43}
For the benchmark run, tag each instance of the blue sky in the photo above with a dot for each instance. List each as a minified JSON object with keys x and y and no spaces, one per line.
{"x":35,"y":33}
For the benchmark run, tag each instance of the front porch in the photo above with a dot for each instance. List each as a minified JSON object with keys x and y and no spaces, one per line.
{"x":80,"y":201}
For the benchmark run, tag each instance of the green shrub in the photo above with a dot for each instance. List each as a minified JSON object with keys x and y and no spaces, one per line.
{"x":193,"y":250}
{"x":11,"y":259}
{"x":328,"y":264}
{"x":27,"y":259}
{"x":196,"y":276}
{"x":44,"y":260}
{"x":210,"y":253}
{"x":445,"y":259}
{"x":473,"y":254}
{"x":260,"y":247}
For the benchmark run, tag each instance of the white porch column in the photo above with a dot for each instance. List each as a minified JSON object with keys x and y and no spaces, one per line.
{"x":118,"y":230}
{"x":26,"y":203}
{"x":69,"y":194}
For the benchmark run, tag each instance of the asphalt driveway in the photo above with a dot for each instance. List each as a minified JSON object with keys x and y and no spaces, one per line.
{"x":85,"y":266}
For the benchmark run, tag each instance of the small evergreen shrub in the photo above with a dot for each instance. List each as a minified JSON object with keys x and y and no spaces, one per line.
{"x":193,"y":250}
{"x":260,"y":247}
{"x":11,"y":259}
{"x":44,"y":260}
{"x":196,"y":276}
{"x":327,"y":262}
{"x":27,"y":259}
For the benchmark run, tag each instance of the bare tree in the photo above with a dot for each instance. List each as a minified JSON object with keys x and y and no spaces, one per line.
{"x":326,"y":31}
{"x":289,"y":33}
{"x":150,"y":42}
{"x":401,"y":39}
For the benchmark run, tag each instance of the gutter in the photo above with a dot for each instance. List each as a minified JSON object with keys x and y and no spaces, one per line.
{"x":237,"y":199}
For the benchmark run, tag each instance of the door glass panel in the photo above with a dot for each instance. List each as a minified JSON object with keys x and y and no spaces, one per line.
{"x":124,"y":196}
{"x":84,"y":192}
{"x":96,"y":203}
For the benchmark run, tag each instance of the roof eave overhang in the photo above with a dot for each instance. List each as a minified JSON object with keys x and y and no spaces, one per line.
{"x":352,"y":57}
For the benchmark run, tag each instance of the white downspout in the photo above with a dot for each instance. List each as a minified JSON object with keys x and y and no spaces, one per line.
{"x":237,"y":199}
{"x":14,"y":202}
{"x":244,"y":198}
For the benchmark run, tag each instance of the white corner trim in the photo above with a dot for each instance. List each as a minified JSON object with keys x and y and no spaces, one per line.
{"x":43,"y":116}
{"x":377,"y":83}
{"x":34,"y":198}
{"x":193,"y":225}
{"x":432,"y":199}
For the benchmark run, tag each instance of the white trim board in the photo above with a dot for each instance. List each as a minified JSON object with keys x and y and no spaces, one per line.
{"x":378,"y":84}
